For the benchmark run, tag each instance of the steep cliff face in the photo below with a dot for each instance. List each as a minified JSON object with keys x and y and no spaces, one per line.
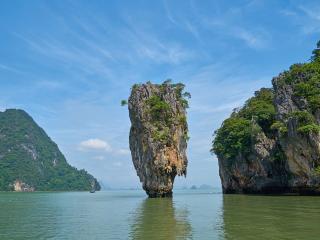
{"x":272,"y":144}
{"x":31,"y":161}
{"x":158,"y":135}
{"x":301,"y":143}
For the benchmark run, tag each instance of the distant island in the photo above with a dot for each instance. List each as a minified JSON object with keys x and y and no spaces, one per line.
{"x":271,"y":144}
{"x":31,"y":161}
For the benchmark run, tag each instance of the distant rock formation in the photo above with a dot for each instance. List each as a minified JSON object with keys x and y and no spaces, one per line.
{"x":31,"y":161}
{"x":272,"y":144}
{"x":158,"y":135}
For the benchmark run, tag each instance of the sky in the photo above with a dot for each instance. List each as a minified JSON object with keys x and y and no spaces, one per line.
{"x":70,"y":63}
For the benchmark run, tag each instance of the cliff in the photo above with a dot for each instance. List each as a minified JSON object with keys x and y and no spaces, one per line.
{"x":271,"y":144}
{"x":31,"y":161}
{"x":158,"y":135}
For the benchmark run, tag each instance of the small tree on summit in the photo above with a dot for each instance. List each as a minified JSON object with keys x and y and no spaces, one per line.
{"x":124,"y":102}
{"x":316,"y":53}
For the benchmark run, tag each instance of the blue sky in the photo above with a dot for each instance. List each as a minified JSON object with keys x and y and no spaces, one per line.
{"x":69,"y":63}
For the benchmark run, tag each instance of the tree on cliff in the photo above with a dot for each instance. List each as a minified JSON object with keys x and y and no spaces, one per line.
{"x":316,"y":53}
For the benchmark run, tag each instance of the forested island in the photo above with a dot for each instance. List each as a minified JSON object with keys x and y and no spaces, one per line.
{"x":271,"y":144}
{"x":31,"y":161}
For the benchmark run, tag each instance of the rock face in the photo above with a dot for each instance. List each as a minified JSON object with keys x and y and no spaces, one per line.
{"x":31,"y":161}
{"x":158,"y":135}
{"x":272,"y":144}
{"x":19,"y":186}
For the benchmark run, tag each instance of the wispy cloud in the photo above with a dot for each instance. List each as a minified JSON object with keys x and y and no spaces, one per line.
{"x":168,"y":13}
{"x":252,"y":39}
{"x":147,"y":45}
{"x":312,"y":25}
{"x":312,"y":12}
{"x":83,"y":59}
{"x":306,"y":17}
{"x":8,"y":68}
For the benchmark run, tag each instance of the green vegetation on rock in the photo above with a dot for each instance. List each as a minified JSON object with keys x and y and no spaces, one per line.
{"x":28,"y":155}
{"x":236,"y":134}
{"x":233,"y":137}
{"x":161,"y":115}
{"x":305,"y":79}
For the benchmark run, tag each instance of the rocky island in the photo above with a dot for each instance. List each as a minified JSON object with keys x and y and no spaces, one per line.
{"x":272,"y":143}
{"x":31,"y":161}
{"x":158,"y":135}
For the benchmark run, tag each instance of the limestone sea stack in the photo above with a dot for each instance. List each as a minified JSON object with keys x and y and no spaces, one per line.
{"x":158,"y":135}
{"x":272,"y":143}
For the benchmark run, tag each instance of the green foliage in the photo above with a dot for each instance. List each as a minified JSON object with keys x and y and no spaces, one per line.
{"x":306,"y":122}
{"x":280,"y":126}
{"x":182,"y":119}
{"x":124,"y":102}
{"x":135,"y":86}
{"x":232,"y":138}
{"x":159,"y":109}
{"x":161,"y":135}
{"x":310,"y":90}
{"x":186,"y":95}
{"x":260,"y":108}
{"x":305,"y":79}
{"x":303,"y":117}
{"x":316,"y":53}
{"x":309,"y":128}
{"x":182,"y":96}
{"x":258,"y":114}
{"x":236,"y":134}
{"x":167,"y":82}
{"x":161,"y":114}
{"x":317,"y":170}
{"x":29,"y":155}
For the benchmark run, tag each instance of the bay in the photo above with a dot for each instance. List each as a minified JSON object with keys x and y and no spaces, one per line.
{"x":129,"y":214}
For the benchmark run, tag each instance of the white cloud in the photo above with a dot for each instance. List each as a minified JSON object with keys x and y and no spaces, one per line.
{"x":95,"y":144}
{"x":252,"y":39}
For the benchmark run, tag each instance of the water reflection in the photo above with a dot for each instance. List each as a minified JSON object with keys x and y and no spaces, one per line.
{"x":159,"y":219}
{"x":271,"y":217}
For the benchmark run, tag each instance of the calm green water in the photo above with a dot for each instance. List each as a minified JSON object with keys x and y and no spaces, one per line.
{"x":130,"y":215}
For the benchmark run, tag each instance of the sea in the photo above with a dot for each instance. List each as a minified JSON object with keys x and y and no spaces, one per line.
{"x":129,"y":214}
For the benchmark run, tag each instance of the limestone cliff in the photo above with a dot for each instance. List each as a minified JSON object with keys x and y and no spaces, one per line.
{"x":158,"y":135}
{"x":272,"y":144}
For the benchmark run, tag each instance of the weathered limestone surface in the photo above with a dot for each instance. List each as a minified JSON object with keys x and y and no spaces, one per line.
{"x":158,"y":137}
